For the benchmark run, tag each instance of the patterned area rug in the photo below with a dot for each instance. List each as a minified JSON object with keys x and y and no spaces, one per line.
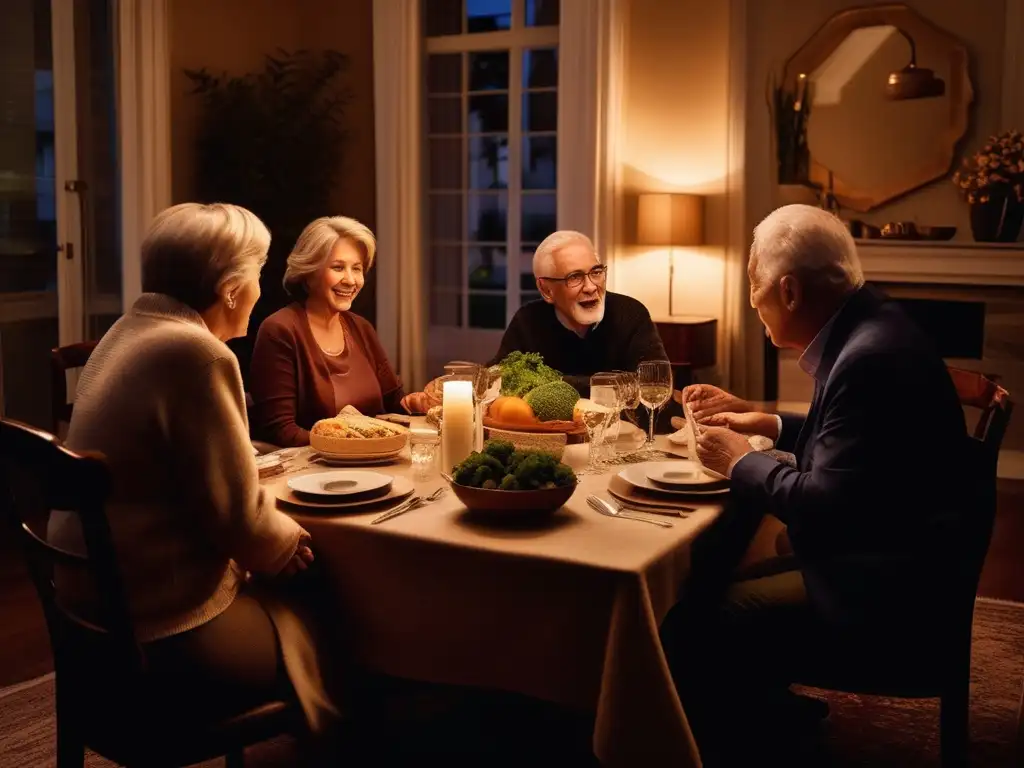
{"x":861,"y":731}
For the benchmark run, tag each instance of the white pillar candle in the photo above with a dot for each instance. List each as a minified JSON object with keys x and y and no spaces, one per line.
{"x":456,"y":422}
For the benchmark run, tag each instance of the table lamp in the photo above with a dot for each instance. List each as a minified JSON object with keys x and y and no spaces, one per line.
{"x":670,"y":219}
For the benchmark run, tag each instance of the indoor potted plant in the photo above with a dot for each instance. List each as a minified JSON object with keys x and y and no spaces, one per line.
{"x":992,"y":182}
{"x":273,"y":141}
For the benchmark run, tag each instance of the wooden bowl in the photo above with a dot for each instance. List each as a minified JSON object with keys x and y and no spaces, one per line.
{"x":540,"y":427}
{"x":486,"y":500}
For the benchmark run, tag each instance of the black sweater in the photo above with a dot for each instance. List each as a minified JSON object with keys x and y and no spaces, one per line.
{"x":620,"y":342}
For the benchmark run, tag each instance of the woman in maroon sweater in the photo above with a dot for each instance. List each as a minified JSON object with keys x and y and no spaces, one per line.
{"x":314,"y":357}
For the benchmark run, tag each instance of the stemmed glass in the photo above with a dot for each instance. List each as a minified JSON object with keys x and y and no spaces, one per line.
{"x":606,"y":390}
{"x":655,"y":379}
{"x":629,"y":390}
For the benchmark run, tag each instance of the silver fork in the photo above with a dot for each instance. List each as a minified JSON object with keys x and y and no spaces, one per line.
{"x":605,"y":508}
{"x":414,"y":503}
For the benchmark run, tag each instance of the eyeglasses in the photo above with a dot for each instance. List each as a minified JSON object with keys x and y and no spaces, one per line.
{"x":575,"y":280}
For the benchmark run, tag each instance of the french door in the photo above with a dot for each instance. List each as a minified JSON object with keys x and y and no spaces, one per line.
{"x":60,"y":255}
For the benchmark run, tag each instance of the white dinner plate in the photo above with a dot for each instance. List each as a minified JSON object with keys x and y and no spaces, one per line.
{"x":636,"y":475}
{"x":341,"y":482}
{"x":681,"y":474}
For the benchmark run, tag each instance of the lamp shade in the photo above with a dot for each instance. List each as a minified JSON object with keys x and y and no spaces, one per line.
{"x":670,"y":219}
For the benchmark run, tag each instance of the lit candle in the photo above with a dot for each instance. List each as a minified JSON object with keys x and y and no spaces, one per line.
{"x":456,"y":422}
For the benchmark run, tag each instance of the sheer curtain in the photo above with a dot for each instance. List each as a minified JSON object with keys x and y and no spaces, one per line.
{"x":397,"y":64}
{"x":143,"y":77}
{"x":591,"y":43}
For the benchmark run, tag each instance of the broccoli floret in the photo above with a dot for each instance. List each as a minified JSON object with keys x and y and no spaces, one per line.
{"x":509,"y":483}
{"x":564,"y":476}
{"x":553,"y":401}
{"x":524,"y":371}
{"x":516,"y":459}
{"x":476,"y":469}
{"x":536,"y":469}
{"x":502,"y":450}
{"x":482,"y":475}
{"x":526,"y":470}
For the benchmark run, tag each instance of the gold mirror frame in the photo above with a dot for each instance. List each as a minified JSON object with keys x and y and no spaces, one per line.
{"x":829,"y":36}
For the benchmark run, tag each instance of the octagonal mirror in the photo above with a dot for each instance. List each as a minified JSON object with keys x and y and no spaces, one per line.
{"x":887,"y":96}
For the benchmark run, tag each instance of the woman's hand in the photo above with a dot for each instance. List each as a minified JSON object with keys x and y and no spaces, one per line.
{"x":752,"y":423}
{"x":301,"y":559}
{"x":705,"y":400}
{"x":417,"y":402}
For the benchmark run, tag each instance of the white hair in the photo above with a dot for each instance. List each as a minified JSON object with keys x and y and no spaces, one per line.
{"x":196,"y":253}
{"x":808,"y":242}
{"x":315,"y":245}
{"x":544,"y":256}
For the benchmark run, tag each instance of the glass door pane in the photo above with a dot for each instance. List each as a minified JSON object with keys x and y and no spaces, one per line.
{"x":28,"y":218}
{"x":60,"y":271}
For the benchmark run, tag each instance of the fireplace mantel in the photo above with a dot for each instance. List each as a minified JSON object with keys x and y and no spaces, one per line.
{"x":952,"y":262}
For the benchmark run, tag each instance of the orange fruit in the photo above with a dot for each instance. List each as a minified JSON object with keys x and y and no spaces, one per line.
{"x":513,"y":410}
{"x":494,"y":410}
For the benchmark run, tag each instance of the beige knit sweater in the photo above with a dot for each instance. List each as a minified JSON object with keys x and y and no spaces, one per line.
{"x":162,"y":399}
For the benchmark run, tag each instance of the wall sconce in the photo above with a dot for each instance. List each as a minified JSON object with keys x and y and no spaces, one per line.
{"x":913,"y":82}
{"x":673,"y":220}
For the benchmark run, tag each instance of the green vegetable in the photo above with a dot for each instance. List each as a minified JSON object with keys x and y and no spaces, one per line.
{"x":524,"y":371}
{"x":553,"y":401}
{"x":501,"y":466}
{"x":477,"y":469}
{"x":502,"y":450}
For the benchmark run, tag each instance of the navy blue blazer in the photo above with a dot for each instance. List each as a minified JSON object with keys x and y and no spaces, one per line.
{"x":882,"y":482}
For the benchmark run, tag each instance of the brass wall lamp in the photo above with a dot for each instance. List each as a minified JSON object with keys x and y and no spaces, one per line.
{"x":913,"y":82}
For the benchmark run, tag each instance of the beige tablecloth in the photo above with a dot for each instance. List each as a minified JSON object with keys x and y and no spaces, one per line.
{"x":566,"y":610}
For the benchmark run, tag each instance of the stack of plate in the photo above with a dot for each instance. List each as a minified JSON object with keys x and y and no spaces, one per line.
{"x":357,"y":459}
{"x":667,"y":484}
{"x":343,"y":490}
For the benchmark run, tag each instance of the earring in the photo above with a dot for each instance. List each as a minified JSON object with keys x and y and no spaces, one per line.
{"x":231,"y":302}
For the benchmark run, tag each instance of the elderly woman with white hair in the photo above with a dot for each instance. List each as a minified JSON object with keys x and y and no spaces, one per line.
{"x":315,"y":356}
{"x":161,"y":398}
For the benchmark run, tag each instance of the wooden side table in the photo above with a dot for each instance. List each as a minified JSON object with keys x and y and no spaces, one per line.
{"x":691,"y":342}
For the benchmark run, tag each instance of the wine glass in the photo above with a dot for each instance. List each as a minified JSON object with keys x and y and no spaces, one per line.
{"x":605,"y":389}
{"x":629,"y":389}
{"x":655,"y":379}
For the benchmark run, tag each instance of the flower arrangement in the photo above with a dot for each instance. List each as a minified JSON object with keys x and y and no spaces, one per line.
{"x":996,"y":170}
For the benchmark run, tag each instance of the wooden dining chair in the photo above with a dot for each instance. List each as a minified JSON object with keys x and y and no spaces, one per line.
{"x":62,"y":360}
{"x":105,"y":706}
{"x":946,"y":674}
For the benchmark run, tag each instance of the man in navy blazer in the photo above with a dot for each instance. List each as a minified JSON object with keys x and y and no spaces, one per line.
{"x":876,"y":499}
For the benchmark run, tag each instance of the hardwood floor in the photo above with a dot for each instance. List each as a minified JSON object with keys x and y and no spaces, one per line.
{"x":25,"y":647}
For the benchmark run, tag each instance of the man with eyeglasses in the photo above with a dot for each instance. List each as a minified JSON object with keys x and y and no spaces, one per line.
{"x":578,"y":327}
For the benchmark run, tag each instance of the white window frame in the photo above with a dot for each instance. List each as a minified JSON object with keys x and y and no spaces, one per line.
{"x":591,"y":47}
{"x":481,"y":342}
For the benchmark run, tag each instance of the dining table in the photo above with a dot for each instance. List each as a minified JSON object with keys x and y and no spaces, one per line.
{"x":564,"y":607}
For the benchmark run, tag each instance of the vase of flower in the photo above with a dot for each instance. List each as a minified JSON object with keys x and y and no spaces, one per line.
{"x":992,"y":182}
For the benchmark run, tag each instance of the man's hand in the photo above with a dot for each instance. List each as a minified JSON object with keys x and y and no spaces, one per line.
{"x":753,"y":423}
{"x":719,"y":448}
{"x":706,"y":400}
{"x":418,"y":402}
